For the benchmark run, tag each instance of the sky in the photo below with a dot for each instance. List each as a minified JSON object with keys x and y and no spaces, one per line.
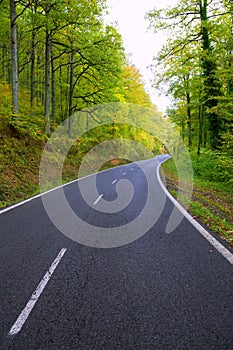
{"x":142,"y":44}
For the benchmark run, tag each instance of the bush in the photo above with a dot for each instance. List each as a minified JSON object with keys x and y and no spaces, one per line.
{"x":213,"y":166}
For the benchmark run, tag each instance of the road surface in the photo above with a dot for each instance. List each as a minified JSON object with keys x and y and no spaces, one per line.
{"x":161,"y":291}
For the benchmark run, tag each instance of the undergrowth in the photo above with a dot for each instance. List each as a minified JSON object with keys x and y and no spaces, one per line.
{"x":22,"y":142}
{"x":212,"y":200}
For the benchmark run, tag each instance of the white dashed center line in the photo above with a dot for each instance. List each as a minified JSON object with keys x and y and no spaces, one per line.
{"x":124,"y":174}
{"x":98,"y":199}
{"x":15,"y":329}
{"x":114,"y":181}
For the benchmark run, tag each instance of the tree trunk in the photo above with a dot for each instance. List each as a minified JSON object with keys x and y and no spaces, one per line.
{"x":205,"y":136}
{"x":188,"y":106}
{"x":87,"y":122}
{"x":60,"y":93}
{"x":33,"y":59}
{"x":71,"y":91}
{"x":14,"y":57}
{"x":40,"y":81}
{"x":212,"y":85}
{"x":230,"y":78}
{"x":4,"y":56}
{"x":183,"y":131}
{"x":200,"y":131}
{"x":32,"y":78}
{"x":189,"y":120}
{"x":47,"y":81}
{"x":54,"y":102}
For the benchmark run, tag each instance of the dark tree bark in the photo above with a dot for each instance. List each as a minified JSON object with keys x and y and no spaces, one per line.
{"x":33,"y":7}
{"x":200,"y":129}
{"x":14,"y":58}
{"x":47,"y":81}
{"x":189,"y":120}
{"x":5,"y":59}
{"x":32,"y":78}
{"x":189,"y":116}
{"x":71,"y":93}
{"x":54,"y":101}
{"x":212,"y":85}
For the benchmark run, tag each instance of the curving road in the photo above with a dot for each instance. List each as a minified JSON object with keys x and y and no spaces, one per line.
{"x":161,"y":291}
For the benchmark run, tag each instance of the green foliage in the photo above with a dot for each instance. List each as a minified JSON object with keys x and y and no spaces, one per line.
{"x":86,"y":65}
{"x":23,"y":139}
{"x":212,"y":202}
{"x":110,"y":132}
{"x":217,"y":224}
{"x":68,"y":60}
{"x":195,"y":67}
{"x":213,"y":166}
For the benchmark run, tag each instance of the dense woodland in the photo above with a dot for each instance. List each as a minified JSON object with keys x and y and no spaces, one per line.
{"x":63,"y":55}
{"x":195,"y":68}
{"x":59,"y":57}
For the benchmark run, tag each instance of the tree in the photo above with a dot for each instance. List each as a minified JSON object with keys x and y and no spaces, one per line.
{"x":133,"y":90}
{"x":5,"y":42}
{"x":14,"y":58}
{"x":212,"y":85}
{"x":65,"y":59}
{"x":192,"y":22}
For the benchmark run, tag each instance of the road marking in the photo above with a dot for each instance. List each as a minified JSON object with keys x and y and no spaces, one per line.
{"x":15,"y":329}
{"x":215,"y":243}
{"x":98,"y":199}
{"x":2,"y":211}
{"x":114,"y":181}
{"x":19,"y":204}
{"x":124,"y":173}
{"x":132,"y":169}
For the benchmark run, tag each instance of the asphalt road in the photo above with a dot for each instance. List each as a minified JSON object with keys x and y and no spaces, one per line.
{"x":161,"y":291}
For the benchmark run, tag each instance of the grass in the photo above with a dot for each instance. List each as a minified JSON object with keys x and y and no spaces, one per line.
{"x":211,"y":203}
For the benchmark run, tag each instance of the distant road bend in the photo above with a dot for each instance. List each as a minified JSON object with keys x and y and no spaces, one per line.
{"x":159,"y":291}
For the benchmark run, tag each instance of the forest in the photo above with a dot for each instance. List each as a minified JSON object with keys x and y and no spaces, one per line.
{"x":64,"y":57}
{"x":59,"y":58}
{"x":195,"y":67}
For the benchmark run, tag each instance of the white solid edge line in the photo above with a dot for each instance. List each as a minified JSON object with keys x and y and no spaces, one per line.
{"x":15,"y":329}
{"x":98,"y":199}
{"x":53,"y":189}
{"x":215,"y":243}
{"x":44,"y":193}
{"x":37,"y":196}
